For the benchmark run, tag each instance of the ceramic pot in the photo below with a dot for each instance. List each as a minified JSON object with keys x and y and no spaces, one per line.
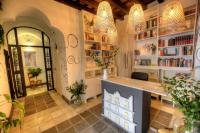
{"x":105,"y":74}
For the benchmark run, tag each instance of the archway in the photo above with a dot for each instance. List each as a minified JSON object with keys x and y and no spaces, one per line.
{"x":30,"y":53}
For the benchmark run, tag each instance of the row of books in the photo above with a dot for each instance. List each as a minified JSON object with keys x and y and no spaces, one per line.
{"x":179,"y":62}
{"x":186,"y":50}
{"x":179,"y":40}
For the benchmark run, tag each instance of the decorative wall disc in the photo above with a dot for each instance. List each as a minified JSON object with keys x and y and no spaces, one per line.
{"x":72,"y":40}
{"x":72,"y":60}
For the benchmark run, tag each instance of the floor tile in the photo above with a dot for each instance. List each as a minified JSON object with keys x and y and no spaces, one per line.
{"x":85,"y":114}
{"x":91,"y":119}
{"x":81,"y":126}
{"x":70,"y":130}
{"x":99,"y":126}
{"x":51,"y":130}
{"x":75,"y":119}
{"x":63,"y":126}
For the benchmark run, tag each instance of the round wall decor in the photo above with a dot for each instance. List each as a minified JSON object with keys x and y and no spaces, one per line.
{"x":72,"y":40}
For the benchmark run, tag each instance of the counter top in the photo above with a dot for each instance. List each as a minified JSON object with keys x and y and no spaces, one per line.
{"x":148,"y":86}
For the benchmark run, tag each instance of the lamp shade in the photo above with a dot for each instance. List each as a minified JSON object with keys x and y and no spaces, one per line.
{"x":104,"y":18}
{"x":173,"y":14}
{"x":136,"y":16}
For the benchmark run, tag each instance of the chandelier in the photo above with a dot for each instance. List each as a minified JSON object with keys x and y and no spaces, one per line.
{"x":104,"y":18}
{"x":173,"y":14}
{"x":135,"y":17}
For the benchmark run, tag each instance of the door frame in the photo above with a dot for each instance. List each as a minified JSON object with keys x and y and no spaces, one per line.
{"x":18,"y":46}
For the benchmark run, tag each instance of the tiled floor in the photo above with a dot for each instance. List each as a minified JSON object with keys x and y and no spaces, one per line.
{"x":38,"y":102}
{"x":91,"y":121}
{"x":36,"y":90}
{"x":84,"y":118}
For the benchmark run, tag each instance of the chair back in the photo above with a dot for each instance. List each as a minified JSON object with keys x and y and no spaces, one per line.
{"x":140,"y":76}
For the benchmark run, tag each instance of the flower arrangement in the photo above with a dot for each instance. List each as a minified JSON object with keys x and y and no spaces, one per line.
{"x":185,"y":94}
{"x":104,"y":63}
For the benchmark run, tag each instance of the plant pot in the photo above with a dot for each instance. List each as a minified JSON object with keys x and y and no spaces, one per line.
{"x":77,"y":101}
{"x":105,"y":74}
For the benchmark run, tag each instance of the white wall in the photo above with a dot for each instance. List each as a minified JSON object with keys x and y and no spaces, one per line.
{"x":57,"y":21}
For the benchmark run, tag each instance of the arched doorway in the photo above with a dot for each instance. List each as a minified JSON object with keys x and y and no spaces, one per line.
{"x":29,"y":49}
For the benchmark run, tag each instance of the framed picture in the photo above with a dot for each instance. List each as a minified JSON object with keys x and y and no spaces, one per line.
{"x":30,"y":58}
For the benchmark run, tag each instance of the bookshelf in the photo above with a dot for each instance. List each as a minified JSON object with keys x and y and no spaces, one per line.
{"x":102,"y":45}
{"x":174,"y":46}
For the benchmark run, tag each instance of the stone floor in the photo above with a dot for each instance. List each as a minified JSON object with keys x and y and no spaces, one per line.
{"x":38,"y":102}
{"x":85,"y":118}
{"x":36,"y":90}
{"x":91,"y":121}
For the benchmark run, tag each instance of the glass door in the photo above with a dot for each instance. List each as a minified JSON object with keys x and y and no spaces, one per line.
{"x":17,"y":71}
{"x":49,"y":70}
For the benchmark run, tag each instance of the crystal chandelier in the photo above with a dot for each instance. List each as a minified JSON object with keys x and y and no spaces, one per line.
{"x":135,"y":17}
{"x":104,"y":18}
{"x":173,"y":14}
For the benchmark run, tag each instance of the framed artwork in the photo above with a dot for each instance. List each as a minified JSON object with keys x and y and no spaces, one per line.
{"x":30,"y":58}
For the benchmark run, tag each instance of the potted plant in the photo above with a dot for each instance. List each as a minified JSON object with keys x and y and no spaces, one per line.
{"x":104,"y":63}
{"x":35,"y":72}
{"x":185,"y":93}
{"x":5,"y":122}
{"x":77,"y":90}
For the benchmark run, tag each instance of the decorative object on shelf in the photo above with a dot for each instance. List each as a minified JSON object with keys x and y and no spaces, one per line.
{"x":198,"y":54}
{"x":105,"y":63}
{"x":173,"y":14}
{"x":153,"y":49}
{"x":5,"y":122}
{"x":1,"y":35}
{"x":185,"y":93}
{"x":88,"y":23}
{"x":104,"y":19}
{"x":35,"y":72}
{"x":77,"y":90}
{"x":136,"y":16}
{"x":75,"y":40}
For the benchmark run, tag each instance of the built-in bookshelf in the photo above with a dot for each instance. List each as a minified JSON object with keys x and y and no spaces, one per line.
{"x":159,"y":47}
{"x":100,"y":44}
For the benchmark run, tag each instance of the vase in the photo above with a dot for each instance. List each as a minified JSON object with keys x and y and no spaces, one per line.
{"x":78,"y":101}
{"x":105,"y":74}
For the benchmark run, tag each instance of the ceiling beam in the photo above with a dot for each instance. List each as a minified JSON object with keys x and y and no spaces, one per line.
{"x":77,"y":5}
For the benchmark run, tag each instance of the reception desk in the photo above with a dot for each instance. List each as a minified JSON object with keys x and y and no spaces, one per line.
{"x":126,"y":102}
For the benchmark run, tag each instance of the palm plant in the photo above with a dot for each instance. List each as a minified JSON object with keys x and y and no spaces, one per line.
{"x":77,"y":89}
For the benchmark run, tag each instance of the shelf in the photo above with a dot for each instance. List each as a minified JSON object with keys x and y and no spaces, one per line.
{"x":91,"y":41}
{"x":163,"y":68}
{"x":138,"y":32}
{"x":177,"y":56}
{"x":146,"y":56}
{"x":150,"y":38}
{"x":177,"y":33}
{"x":176,"y":46}
{"x":146,"y":67}
{"x":176,"y":68}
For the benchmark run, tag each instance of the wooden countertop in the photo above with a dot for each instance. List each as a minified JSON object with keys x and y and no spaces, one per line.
{"x":148,"y":86}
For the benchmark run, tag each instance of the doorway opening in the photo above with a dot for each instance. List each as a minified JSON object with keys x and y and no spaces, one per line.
{"x":31,"y":62}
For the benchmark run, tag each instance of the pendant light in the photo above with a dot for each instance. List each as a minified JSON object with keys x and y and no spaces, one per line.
{"x":173,"y":14}
{"x":135,"y":17}
{"x":104,"y":18}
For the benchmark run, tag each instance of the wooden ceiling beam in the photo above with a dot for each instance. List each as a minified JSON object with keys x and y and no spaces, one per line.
{"x":77,"y":5}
